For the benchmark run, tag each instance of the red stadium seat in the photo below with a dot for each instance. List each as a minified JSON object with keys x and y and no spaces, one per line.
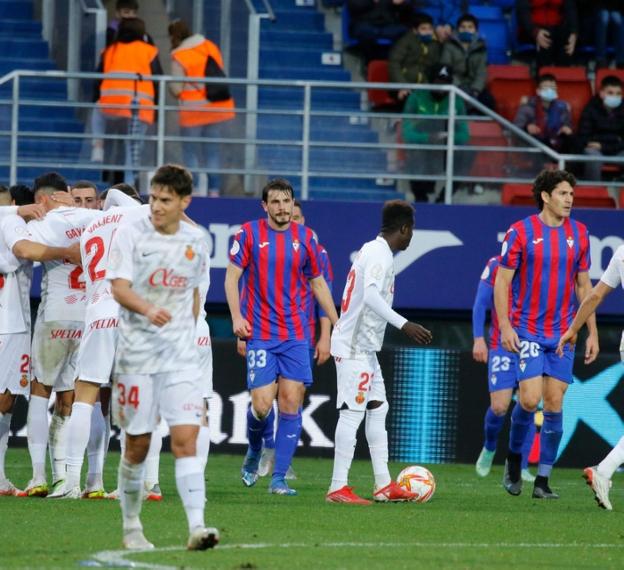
{"x":377,"y":72}
{"x":584,"y":196}
{"x":487,"y":164}
{"x":517,"y":195}
{"x":508,"y":84}
{"x":573,"y":87}
{"x":602,"y":73}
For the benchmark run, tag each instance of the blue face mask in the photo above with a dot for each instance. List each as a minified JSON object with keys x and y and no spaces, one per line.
{"x":612,"y":101}
{"x":465,"y":37}
{"x":426,"y":38}
{"x":548,"y":94}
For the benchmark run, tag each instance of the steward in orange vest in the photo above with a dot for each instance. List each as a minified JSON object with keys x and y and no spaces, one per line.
{"x":130,"y":54}
{"x":188,"y":59}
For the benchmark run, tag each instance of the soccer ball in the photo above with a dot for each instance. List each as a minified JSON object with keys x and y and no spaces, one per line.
{"x":419,"y":480}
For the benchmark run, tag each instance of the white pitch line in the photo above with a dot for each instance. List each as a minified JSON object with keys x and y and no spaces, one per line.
{"x":118,"y":558}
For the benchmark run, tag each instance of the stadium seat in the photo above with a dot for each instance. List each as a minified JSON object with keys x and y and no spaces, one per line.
{"x":584,"y":196}
{"x":602,"y":73}
{"x":487,"y":164}
{"x":495,"y":32}
{"x":573,"y":87}
{"x":517,"y":195}
{"x":377,"y":72}
{"x":508,"y":84}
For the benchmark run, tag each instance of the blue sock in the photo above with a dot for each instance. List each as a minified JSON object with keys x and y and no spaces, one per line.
{"x":300,"y":423}
{"x":528,"y":444}
{"x":550,"y":437}
{"x":269,"y":430}
{"x":255,"y":429}
{"x":492,"y":426}
{"x":285,"y":443}
{"x":520,"y":424}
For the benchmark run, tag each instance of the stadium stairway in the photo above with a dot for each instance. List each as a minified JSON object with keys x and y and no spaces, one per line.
{"x":297,"y":46}
{"x":22,"y":47}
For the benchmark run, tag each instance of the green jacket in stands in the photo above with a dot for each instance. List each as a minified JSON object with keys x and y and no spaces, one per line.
{"x":469,"y":65}
{"x":410,"y":59}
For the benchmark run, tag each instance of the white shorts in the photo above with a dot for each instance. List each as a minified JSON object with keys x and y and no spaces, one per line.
{"x":205,"y":364}
{"x":96,"y":355}
{"x":55,"y":353}
{"x":141,"y":400}
{"x":15,"y":363}
{"x":359,"y":382}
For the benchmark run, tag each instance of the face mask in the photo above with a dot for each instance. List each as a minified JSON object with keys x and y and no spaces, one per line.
{"x":465,"y":37}
{"x":612,"y":101}
{"x":426,"y":38}
{"x":547,"y":94}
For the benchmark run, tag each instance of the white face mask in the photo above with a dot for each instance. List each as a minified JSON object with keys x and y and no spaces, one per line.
{"x":547,"y":94}
{"x":612,"y":101}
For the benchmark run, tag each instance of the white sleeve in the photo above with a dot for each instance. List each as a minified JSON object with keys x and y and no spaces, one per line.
{"x":121,"y":257}
{"x":116,"y":197}
{"x":8,"y":210}
{"x":374,"y":300}
{"x":612,"y":275}
{"x":14,"y":229}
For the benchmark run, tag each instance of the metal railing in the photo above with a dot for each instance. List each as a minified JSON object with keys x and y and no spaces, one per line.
{"x":292,"y":130}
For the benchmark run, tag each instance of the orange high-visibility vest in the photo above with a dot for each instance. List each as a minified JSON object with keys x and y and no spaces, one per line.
{"x":134,"y":57}
{"x":195,"y":109}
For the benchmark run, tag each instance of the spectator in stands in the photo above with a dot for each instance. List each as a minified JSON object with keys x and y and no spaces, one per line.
{"x":414,"y":54}
{"x":123,"y":9}
{"x":85,"y":195}
{"x":609,"y":11}
{"x":553,"y":26}
{"x":601,"y":128}
{"x":372,"y":20}
{"x":199,"y":117}
{"x":546,"y":117}
{"x":466,"y":53}
{"x":447,"y":11}
{"x":128,"y":103}
{"x":431,"y":131}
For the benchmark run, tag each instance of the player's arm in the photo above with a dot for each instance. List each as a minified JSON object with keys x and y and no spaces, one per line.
{"x":8,"y":262}
{"x":322,"y":294}
{"x":240,"y":326}
{"x":374,"y":301}
{"x":196,"y":303}
{"x":323,"y":344}
{"x":482,"y":304}
{"x":132,"y":301}
{"x":509,"y":337}
{"x":34,"y":251}
{"x":584,"y":289}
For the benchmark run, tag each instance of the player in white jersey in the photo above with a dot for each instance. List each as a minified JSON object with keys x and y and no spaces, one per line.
{"x":58,"y":329}
{"x":155,"y":269}
{"x":366,"y":309}
{"x":599,"y":476}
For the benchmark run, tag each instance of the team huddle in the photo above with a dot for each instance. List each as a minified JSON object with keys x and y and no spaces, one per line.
{"x":122,"y":311}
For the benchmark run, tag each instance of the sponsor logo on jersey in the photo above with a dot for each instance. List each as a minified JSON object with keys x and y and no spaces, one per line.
{"x":189,"y":253}
{"x":538,"y":240}
{"x":66,"y":334}
{"x":167,"y":278}
{"x":104,"y":324}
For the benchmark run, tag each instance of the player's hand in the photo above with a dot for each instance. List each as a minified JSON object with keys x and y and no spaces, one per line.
{"x":321,"y":352}
{"x":417,"y":333}
{"x":592,"y":348}
{"x":63,"y":198}
{"x":158,"y":316}
{"x":543,"y":39}
{"x":73,"y":254}
{"x":31,"y":212}
{"x":241,"y":327}
{"x":570,"y":44}
{"x":510,"y":340}
{"x":241,"y":347}
{"x":569,"y":337}
{"x":480,"y":350}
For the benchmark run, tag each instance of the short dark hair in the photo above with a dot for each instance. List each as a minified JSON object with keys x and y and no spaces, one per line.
{"x":85,"y":184}
{"x":5,"y":191}
{"x":420,"y":18}
{"x":126,"y":5}
{"x":51,"y":182}
{"x":547,"y":181}
{"x":467,"y":18}
{"x":175,"y":177}
{"x":298,"y":205}
{"x":546,"y":77}
{"x":280,"y":184}
{"x":127,"y":189}
{"x":179,"y":29}
{"x":131,"y":28}
{"x":396,"y":214}
{"x":610,"y":81}
{"x":22,"y":195}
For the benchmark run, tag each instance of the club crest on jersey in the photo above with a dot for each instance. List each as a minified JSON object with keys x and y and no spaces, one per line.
{"x":359,"y":399}
{"x":252,"y":376}
{"x":493,"y":379}
{"x":522,"y":365}
{"x":24,"y":381}
{"x":189,"y":253}
{"x":296,"y":245}
{"x":570,"y":242}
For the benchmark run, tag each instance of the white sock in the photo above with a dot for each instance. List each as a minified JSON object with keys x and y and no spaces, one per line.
{"x":152,"y":461}
{"x":377,"y":438}
{"x":58,"y":446}
{"x":192,"y":489}
{"x":203,"y":445}
{"x":130,"y":481}
{"x":611,"y":462}
{"x":38,"y":429}
{"x":106,"y":443}
{"x":95,"y":447}
{"x":78,"y":428}
{"x":344,"y":446}
{"x":5,"y":428}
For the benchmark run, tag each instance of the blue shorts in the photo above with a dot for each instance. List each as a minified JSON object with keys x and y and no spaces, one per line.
{"x":538,"y":358}
{"x":502,"y":370}
{"x":269,"y":359}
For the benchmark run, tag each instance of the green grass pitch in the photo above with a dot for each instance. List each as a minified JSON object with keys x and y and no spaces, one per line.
{"x":469,"y":523}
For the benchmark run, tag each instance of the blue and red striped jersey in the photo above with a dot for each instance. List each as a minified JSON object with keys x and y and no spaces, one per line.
{"x":547,"y":261}
{"x":310,"y":306}
{"x":275,"y":263}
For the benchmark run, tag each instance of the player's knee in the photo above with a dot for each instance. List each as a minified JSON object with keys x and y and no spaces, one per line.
{"x":289,"y":403}
{"x":183,"y":448}
{"x":137,"y":448}
{"x":530,"y":400}
{"x":553,"y":404}
{"x":499,"y":408}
